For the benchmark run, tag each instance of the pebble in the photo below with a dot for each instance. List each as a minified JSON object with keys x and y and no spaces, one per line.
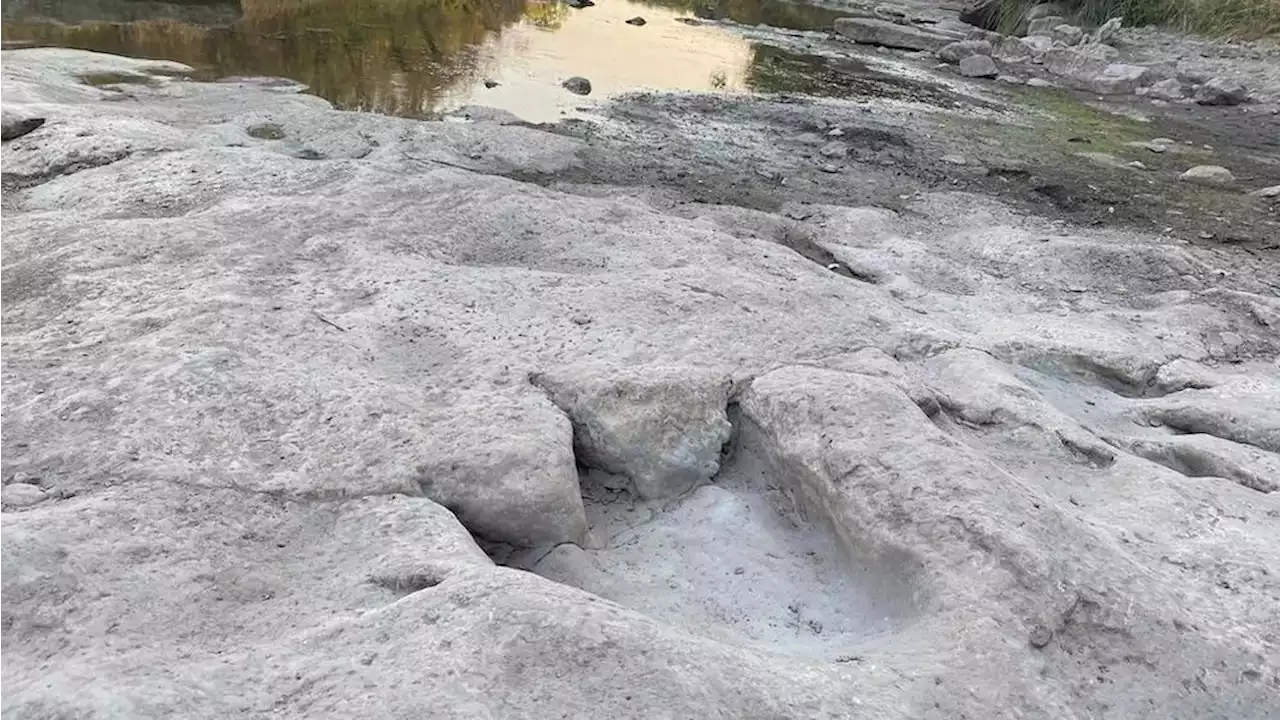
{"x":1040,"y":636}
{"x":21,"y":495}
{"x":577,"y":85}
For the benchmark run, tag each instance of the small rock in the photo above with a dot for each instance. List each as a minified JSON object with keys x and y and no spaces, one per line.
{"x":1012,"y":49}
{"x":1267,"y":192}
{"x":266,"y":131}
{"x":491,"y":84}
{"x":1009,"y":79}
{"x":978,"y":66}
{"x":1040,"y":636}
{"x":834,"y":150}
{"x":955,"y":159}
{"x":577,"y":85}
{"x":990,"y":36}
{"x":1158,"y":146}
{"x":1039,"y":44}
{"x":1067,"y":34}
{"x":21,"y":495}
{"x":581,"y":319}
{"x":1137,"y":165}
{"x":1168,"y":89}
{"x":828,"y":168}
{"x":579,"y":4}
{"x":637,"y":21}
{"x":1119,"y":78}
{"x":1221,"y":91}
{"x":957,"y":51}
{"x":1211,"y":175}
{"x":1045,"y":25}
{"x":1039,"y":83}
{"x":14,"y":124}
{"x":739,"y":570}
{"x":1107,"y":30}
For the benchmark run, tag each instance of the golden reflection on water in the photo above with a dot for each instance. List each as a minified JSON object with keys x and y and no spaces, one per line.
{"x":419,"y":57}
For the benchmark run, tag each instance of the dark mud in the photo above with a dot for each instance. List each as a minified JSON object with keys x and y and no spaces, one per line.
{"x":1037,"y":149}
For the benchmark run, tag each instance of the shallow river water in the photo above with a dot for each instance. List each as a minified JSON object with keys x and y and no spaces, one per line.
{"x":421,"y":57}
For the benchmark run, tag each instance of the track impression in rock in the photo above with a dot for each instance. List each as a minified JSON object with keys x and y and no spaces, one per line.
{"x":737,"y":550}
{"x":734,"y":560}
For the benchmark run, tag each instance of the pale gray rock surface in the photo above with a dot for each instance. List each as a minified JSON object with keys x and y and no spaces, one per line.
{"x":270,"y":401}
{"x":871,"y":31}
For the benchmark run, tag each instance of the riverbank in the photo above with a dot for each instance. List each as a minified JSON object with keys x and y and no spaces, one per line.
{"x":766,"y":406}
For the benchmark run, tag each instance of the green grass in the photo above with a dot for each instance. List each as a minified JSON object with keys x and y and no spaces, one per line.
{"x":1238,"y":18}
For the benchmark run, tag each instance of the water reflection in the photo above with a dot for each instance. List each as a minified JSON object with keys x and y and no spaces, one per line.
{"x":403,"y":57}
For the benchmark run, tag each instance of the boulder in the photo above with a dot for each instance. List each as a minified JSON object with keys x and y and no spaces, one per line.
{"x":663,"y":428}
{"x":1221,"y":91}
{"x":978,"y":66}
{"x":872,"y":31}
{"x":1038,"y":45}
{"x":1067,"y":34}
{"x":957,"y":51}
{"x":1106,"y":30}
{"x":1168,"y":89}
{"x":1272,"y":191}
{"x":983,"y":14}
{"x":1209,"y":175}
{"x":507,"y":469}
{"x":1090,"y":67}
{"x":1118,"y":78}
{"x":1013,"y":49}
